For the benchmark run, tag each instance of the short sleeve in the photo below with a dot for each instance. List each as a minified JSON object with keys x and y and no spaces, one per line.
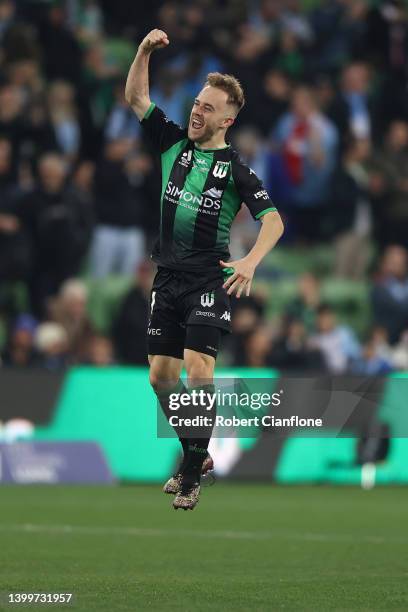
{"x":251,"y":190}
{"x":161,"y":131}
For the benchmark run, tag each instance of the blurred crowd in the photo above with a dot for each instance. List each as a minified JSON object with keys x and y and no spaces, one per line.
{"x":325,"y":127}
{"x":308,"y":337}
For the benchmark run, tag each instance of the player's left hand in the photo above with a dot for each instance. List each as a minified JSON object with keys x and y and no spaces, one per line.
{"x":241,"y":280}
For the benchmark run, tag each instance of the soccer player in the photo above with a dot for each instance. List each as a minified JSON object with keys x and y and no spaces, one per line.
{"x":203,"y":184}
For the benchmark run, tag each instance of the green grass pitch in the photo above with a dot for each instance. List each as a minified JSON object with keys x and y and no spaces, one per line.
{"x":245,"y":547}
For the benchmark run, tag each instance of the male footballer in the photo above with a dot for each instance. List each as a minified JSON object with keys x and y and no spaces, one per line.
{"x":203,"y":185}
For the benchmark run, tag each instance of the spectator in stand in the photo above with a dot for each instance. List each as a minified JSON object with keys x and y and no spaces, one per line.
{"x":7,"y":14}
{"x":388,"y":38}
{"x":350,"y":213}
{"x":11,"y":123}
{"x":290,"y":57}
{"x":337,"y":343}
{"x":14,"y":243}
{"x":273,"y":101}
{"x":90,"y":21}
{"x":390,"y":293}
{"x":252,"y":149}
{"x":69,"y":310}
{"x":247,"y":316}
{"x":100,"y":352}
{"x":330,"y":40}
{"x":376,"y":356}
{"x":353,"y":111}
{"x":61,"y":51}
{"x":294,"y":20}
{"x":400,"y":352}
{"x":39,"y":133}
{"x":325,"y":92}
{"x":129,"y":327}
{"x":307,"y":142}
{"x":98,"y":78}
{"x":25,"y":75}
{"x":257,"y":347}
{"x":266,"y":18}
{"x":17,"y":38}
{"x":340,"y":32}
{"x":118,"y":243}
{"x":387,"y":46}
{"x":122,"y":121}
{"x":83,"y":182}
{"x":63,"y":115}
{"x":291,"y":350}
{"x":20,"y":351}
{"x":169,"y":94}
{"x":249,"y":53}
{"x":304,"y":307}
{"x":390,"y":165}
{"x":51,"y":343}
{"x":60,"y":227}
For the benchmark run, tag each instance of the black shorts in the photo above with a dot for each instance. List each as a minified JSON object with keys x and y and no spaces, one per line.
{"x":180,"y":304}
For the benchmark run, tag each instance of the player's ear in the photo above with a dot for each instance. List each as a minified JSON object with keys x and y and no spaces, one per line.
{"x":228,"y":122}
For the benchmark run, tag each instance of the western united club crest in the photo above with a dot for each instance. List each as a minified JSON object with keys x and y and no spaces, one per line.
{"x":221,"y":169}
{"x":207,"y":299}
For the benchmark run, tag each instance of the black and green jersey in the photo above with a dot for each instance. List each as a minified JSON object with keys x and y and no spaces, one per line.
{"x":201,"y":192}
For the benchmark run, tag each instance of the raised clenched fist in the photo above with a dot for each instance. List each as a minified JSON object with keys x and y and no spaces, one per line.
{"x":156,"y":39}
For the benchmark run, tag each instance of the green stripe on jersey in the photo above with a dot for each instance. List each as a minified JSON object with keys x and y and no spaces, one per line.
{"x":190,"y":198}
{"x":229,"y":209}
{"x":167,"y":160}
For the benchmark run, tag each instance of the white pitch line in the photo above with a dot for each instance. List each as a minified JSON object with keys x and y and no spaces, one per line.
{"x":196,"y":533}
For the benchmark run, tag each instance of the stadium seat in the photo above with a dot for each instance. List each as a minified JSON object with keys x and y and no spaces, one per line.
{"x":284,"y":261}
{"x":105,"y":297}
{"x":350,"y":299}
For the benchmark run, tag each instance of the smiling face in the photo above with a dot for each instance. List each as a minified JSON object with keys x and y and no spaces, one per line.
{"x":210,"y":116}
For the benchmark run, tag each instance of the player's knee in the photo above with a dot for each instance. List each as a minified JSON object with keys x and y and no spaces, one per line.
{"x":154,"y":379}
{"x":161,"y":379}
{"x":199,"y":368}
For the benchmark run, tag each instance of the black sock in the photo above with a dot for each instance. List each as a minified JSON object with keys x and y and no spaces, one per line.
{"x":185,"y":444}
{"x":198,"y":447}
{"x":163,"y":397}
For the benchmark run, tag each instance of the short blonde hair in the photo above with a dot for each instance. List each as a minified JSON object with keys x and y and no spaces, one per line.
{"x":231,"y":86}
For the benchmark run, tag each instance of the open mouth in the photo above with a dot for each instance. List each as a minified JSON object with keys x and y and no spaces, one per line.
{"x":197,"y":124}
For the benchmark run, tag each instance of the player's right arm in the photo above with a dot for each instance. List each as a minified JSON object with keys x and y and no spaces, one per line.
{"x":137,"y":84}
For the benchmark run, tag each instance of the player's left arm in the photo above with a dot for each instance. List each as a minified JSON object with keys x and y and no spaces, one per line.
{"x":255,"y":196}
{"x":244,"y":269}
